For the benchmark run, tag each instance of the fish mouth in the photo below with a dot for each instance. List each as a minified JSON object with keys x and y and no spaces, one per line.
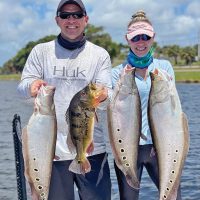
{"x":156,"y":76}
{"x":47,"y":90}
{"x":50,"y":88}
{"x":153,"y":76}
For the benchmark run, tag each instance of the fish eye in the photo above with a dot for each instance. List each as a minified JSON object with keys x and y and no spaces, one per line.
{"x":83,"y":93}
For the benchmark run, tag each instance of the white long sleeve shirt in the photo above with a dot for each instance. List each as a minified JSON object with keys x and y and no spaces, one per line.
{"x":70,"y":71}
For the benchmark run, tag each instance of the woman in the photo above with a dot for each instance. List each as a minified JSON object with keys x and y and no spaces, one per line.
{"x":140,"y":38}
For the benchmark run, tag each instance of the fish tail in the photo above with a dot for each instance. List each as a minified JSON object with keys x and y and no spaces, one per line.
{"x":90,"y":148}
{"x":133,"y":182}
{"x":34,"y":194}
{"x":25,"y":154}
{"x":80,"y":167}
{"x":70,"y":144}
{"x":85,"y":166}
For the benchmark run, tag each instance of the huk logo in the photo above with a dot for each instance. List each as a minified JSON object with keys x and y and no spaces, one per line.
{"x":69,"y":73}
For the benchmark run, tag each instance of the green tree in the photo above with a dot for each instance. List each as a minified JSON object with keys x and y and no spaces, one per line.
{"x":100,"y":38}
{"x":173,"y":52}
{"x":188,"y":54}
{"x":93,"y":34}
{"x":118,"y":52}
{"x":8,"y":68}
{"x":16,"y":64}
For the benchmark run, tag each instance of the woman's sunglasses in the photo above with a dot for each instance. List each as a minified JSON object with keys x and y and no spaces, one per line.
{"x":143,"y":37}
{"x":75,"y":15}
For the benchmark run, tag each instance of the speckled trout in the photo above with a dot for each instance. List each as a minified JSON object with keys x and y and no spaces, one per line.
{"x":38,"y":143}
{"x":124,"y":124}
{"x":169,"y":130}
{"x":80,"y":117}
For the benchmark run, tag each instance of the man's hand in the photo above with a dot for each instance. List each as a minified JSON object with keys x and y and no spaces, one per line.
{"x":35,"y":86}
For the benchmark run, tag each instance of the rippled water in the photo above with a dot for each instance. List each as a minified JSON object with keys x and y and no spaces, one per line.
{"x":10,"y":104}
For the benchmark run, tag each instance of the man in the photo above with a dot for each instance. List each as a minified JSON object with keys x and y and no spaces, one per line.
{"x":70,"y":62}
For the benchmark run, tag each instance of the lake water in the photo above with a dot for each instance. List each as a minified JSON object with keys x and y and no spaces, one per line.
{"x":10,"y":103}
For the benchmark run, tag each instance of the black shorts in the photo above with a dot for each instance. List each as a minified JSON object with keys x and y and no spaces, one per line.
{"x":95,"y":185}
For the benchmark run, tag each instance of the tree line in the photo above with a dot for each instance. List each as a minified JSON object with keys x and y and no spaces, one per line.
{"x":118,"y":51}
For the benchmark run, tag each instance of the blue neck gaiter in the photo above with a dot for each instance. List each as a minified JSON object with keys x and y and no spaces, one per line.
{"x":140,"y":62}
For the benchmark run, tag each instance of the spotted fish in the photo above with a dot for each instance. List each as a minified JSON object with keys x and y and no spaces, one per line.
{"x":38,"y":143}
{"x":170,"y":133}
{"x":124,"y":124}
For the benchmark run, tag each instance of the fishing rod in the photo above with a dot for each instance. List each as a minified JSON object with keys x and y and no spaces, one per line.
{"x":19,"y":162}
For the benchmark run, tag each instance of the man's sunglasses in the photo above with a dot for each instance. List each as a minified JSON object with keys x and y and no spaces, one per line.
{"x":67,"y":15}
{"x":143,"y":37}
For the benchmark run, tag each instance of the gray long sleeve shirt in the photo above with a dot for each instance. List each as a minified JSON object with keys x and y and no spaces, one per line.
{"x":70,"y":71}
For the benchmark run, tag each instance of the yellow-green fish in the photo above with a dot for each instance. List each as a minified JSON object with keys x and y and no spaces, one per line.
{"x":80,"y":117}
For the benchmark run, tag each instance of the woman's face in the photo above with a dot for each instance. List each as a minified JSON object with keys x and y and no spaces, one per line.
{"x":141,"y":47}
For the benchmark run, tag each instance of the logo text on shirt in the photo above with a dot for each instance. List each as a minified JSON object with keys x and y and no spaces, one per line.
{"x":69,"y":73}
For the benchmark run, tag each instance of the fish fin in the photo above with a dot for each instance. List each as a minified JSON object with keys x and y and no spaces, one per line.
{"x":24,"y":152}
{"x":85,"y":166}
{"x":78,"y":167}
{"x":185,"y":122}
{"x":153,"y":152}
{"x":96,"y":117}
{"x":53,"y":106}
{"x":34,"y":194}
{"x":67,"y":116}
{"x":173,"y":103}
{"x":131,"y":178}
{"x":90,"y":148}
{"x":24,"y":134}
{"x":69,"y":141}
{"x":56,"y":157}
{"x":143,"y":136}
{"x":186,"y":131}
{"x":70,"y":144}
{"x":133,"y":182}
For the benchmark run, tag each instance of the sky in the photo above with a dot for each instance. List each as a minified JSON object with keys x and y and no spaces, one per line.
{"x":22,"y":21}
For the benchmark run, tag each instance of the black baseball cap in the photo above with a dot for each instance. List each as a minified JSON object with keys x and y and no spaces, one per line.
{"x":76,"y":2}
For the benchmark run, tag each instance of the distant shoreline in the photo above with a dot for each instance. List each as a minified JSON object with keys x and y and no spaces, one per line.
{"x":10,"y":77}
{"x":183,"y":74}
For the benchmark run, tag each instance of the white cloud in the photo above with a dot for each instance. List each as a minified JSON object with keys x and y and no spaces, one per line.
{"x":193,"y":9}
{"x":175,"y":21}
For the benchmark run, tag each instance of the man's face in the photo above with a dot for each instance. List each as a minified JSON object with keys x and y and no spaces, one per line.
{"x":72,"y":28}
